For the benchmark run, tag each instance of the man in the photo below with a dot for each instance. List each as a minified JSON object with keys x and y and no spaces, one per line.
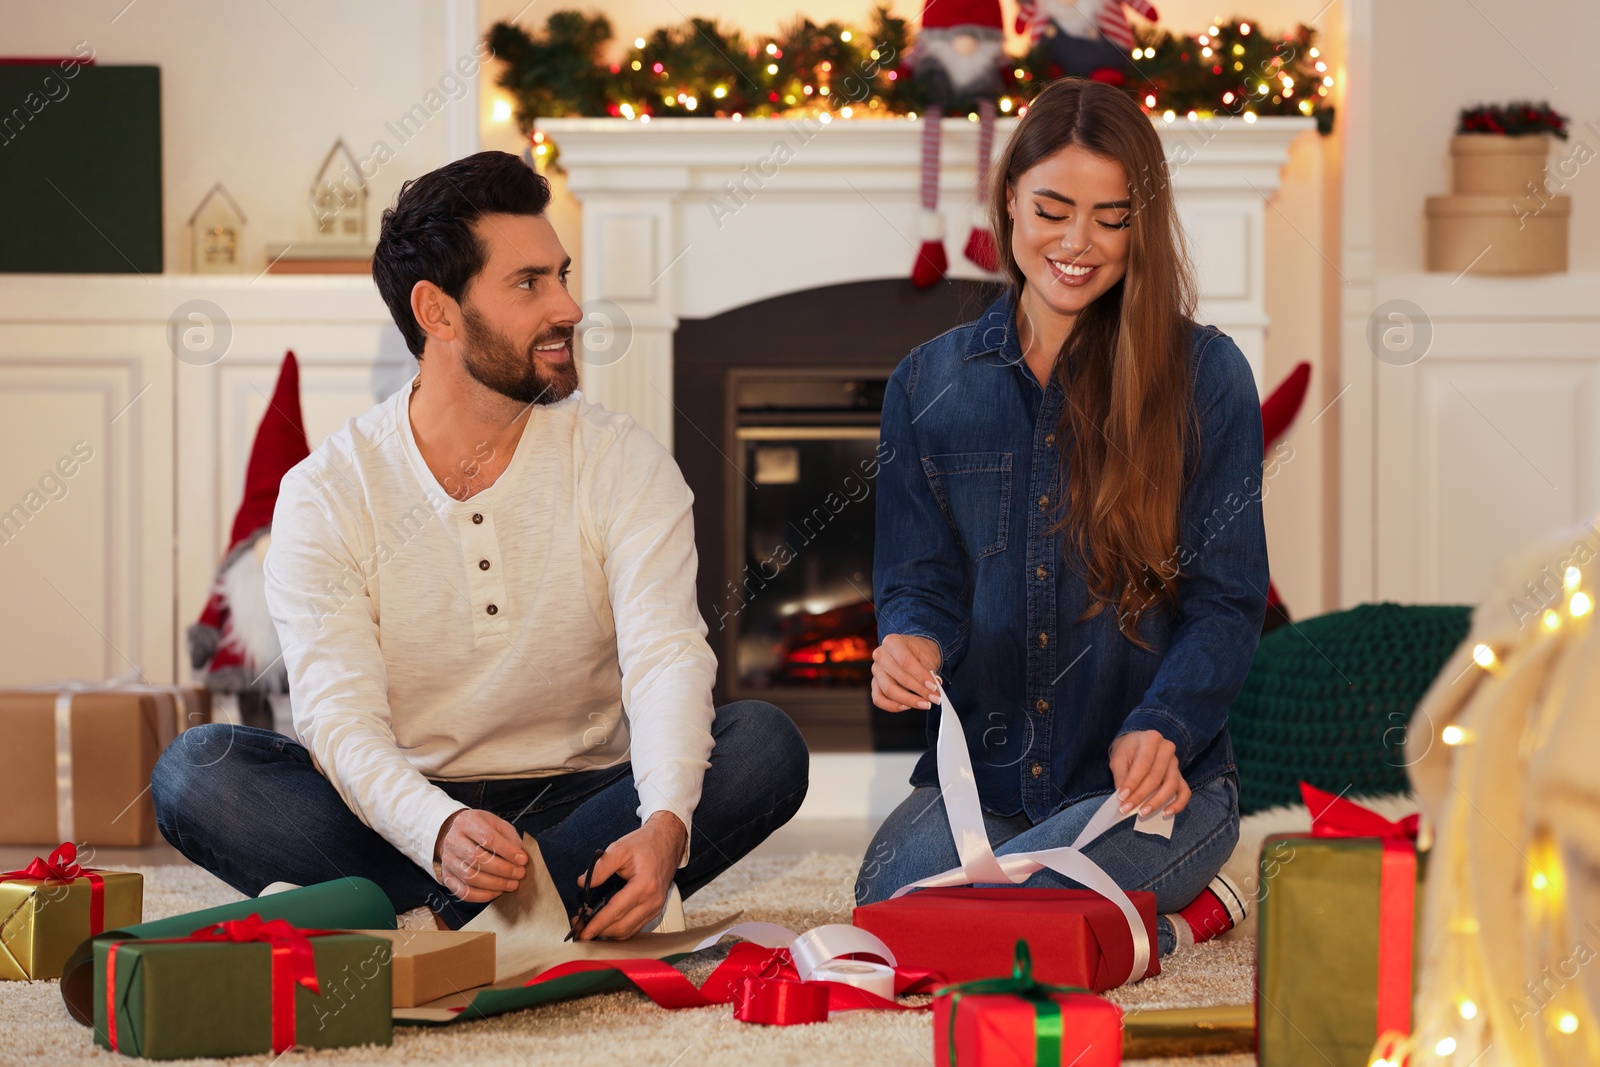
{"x":484,"y":589}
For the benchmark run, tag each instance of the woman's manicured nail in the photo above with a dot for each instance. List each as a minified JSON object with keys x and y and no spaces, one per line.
{"x":924,"y":705}
{"x":1122,"y":794}
{"x":1124,"y":809}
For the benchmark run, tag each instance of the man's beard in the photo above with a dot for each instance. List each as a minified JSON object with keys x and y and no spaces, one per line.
{"x":494,"y":361}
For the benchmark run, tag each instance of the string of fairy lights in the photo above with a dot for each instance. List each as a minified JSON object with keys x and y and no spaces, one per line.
{"x":1545,"y":881}
{"x":699,"y":69}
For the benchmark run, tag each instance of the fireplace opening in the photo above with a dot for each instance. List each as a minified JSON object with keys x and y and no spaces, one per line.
{"x":779,"y":406}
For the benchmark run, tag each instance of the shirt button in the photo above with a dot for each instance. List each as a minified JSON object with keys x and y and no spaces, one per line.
{"x":483,"y":564}
{"x":477,"y":519}
{"x":1039,"y":572}
{"x":1042,"y":706}
{"x":1037,"y":770}
{"x":1050,"y":440}
{"x":1044,"y":501}
{"x":1044,"y":640}
{"x":492,"y":610}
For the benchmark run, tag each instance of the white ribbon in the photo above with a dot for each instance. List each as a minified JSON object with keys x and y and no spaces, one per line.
{"x":167,"y":729}
{"x":959,"y":788}
{"x":810,"y":950}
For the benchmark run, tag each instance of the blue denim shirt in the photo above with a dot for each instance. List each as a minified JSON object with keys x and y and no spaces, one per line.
{"x":963,"y":556}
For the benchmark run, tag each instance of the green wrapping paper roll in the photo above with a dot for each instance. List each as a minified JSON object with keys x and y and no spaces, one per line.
{"x":342,"y":904}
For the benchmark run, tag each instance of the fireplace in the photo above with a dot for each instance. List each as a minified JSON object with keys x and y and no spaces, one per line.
{"x":777,"y":434}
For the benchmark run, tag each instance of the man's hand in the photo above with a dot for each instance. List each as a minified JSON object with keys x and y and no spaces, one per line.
{"x":647,"y":859}
{"x":1144,"y":767}
{"x":481,"y":856}
{"x":903,"y":672}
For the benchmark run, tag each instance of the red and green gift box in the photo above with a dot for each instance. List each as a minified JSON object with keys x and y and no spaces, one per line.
{"x":1082,"y":937}
{"x":1338,"y":916}
{"x":53,"y":905}
{"x":1019,"y":1022}
{"x":241,"y":987}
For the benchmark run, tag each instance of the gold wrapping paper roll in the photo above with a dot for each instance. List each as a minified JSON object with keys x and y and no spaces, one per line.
{"x":1188,"y":1031}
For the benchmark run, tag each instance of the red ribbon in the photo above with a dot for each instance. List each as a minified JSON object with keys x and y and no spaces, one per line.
{"x":62,"y":866}
{"x":1334,"y":816}
{"x":761,"y":984}
{"x":294,"y":963}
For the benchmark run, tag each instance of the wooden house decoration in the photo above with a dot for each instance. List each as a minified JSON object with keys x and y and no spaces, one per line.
{"x":339,"y":198}
{"x":215,"y":231}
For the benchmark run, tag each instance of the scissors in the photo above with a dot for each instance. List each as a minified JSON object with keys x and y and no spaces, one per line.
{"x":585,"y":910}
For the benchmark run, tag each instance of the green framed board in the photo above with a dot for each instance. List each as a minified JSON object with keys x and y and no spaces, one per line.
{"x":80,"y":169}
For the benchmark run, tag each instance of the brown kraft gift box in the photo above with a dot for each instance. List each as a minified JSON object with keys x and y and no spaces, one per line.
{"x":115,"y":738}
{"x":429,"y":964}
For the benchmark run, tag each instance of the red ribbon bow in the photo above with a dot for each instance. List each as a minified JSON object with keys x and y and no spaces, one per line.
{"x":1334,"y":816}
{"x":761,"y":984}
{"x":294,"y":963}
{"x":62,"y":866}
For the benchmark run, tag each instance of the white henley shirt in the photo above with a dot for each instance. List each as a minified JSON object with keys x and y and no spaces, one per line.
{"x":547,"y":624}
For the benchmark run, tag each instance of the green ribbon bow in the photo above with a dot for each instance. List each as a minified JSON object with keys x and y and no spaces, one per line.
{"x":1047,"y":1013}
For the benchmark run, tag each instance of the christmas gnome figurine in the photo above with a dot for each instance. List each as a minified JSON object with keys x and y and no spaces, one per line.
{"x":1089,"y":38}
{"x":959,"y":55}
{"x":1278,"y":412}
{"x":234,"y":647}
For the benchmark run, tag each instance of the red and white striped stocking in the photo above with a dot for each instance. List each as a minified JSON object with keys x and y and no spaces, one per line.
{"x":931,"y":264}
{"x":980,"y":242}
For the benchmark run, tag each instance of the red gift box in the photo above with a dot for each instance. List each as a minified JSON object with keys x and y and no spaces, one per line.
{"x":1018,"y":1022}
{"x":1079,"y":937}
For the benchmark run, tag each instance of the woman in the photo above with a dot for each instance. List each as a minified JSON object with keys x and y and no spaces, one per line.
{"x":1070,"y":534}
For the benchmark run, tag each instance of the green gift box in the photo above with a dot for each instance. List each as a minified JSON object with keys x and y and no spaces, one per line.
{"x":1338,"y":919}
{"x":241,"y":988}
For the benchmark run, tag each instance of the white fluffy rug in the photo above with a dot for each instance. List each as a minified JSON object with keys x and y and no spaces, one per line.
{"x":797,"y":891}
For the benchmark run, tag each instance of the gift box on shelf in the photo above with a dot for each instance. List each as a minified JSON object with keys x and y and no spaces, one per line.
{"x":1017,"y":1021}
{"x":1339,"y":911}
{"x":81,"y":757}
{"x":429,"y":964}
{"x":1078,"y":936}
{"x":53,"y":905}
{"x":242,"y":987}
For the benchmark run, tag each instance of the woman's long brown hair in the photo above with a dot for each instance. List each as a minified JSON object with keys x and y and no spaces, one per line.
{"x":1125,"y":367}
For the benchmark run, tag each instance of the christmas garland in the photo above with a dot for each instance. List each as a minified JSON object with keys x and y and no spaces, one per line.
{"x":700,"y":69}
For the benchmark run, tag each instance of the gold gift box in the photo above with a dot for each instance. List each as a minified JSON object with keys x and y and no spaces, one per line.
{"x":43,"y":920}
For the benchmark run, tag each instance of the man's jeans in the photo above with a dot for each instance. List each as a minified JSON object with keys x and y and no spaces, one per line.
{"x":248,"y":806}
{"x":914,"y":842}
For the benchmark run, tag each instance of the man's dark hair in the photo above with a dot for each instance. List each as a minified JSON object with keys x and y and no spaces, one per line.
{"x":427,"y":234}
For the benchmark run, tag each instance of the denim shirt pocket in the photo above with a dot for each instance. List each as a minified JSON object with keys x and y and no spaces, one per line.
{"x":973,"y":490}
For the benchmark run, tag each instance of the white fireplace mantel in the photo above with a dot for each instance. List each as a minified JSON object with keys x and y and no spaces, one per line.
{"x":687,"y":218}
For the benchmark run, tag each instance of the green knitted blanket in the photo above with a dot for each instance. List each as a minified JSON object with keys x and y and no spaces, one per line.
{"x":1328,"y":700}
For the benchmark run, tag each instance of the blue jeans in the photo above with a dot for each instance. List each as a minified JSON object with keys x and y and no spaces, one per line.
{"x":914,"y":842}
{"x":248,"y":806}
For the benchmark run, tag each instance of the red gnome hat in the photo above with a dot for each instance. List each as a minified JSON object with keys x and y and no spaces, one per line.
{"x":1277,"y":413}
{"x":233,"y":647}
{"x":944,"y":14}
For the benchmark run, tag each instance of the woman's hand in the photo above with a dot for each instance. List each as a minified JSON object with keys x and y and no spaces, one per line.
{"x":903,"y":672}
{"x":1144,"y":768}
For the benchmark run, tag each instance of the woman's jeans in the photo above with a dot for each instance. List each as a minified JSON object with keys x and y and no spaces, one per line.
{"x":248,"y":806}
{"x":915,"y":842}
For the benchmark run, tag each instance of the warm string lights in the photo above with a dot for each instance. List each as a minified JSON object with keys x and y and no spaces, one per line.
{"x":1552,"y":1002}
{"x":697,"y":69}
